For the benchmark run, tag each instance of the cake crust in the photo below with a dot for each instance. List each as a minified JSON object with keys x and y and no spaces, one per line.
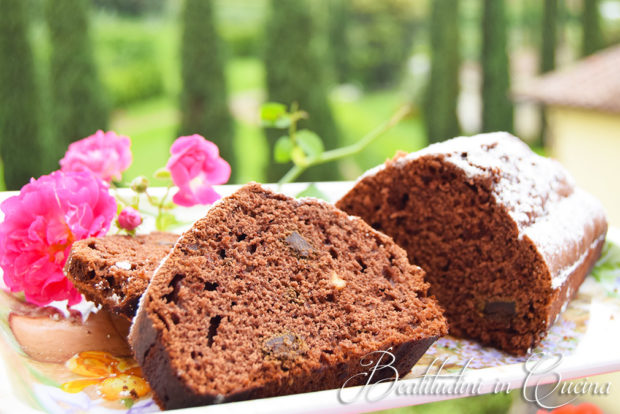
{"x":504,"y":235}
{"x":268,"y":295}
{"x":114,"y":271}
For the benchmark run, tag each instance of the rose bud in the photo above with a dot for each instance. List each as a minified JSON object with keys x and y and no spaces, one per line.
{"x":129,"y":219}
{"x":139,"y":184}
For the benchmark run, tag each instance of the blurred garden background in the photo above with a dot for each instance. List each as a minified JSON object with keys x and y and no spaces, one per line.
{"x":157,"y":69}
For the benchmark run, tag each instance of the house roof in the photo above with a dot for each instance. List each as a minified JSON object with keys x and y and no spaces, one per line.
{"x":592,"y":83}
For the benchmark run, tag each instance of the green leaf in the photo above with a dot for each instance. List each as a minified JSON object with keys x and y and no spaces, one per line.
{"x":282,"y":149}
{"x":282,"y":122}
{"x":128,"y":402}
{"x":165,"y":221}
{"x":274,"y":115}
{"x":312,"y":191}
{"x":162,"y":173}
{"x":607,"y":269}
{"x":310,"y":143}
{"x":299,"y":157}
{"x":272,"y":111}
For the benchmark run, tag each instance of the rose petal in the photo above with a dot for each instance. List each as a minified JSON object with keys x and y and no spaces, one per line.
{"x":106,"y":155}
{"x":40,"y":225}
{"x":194,"y":166}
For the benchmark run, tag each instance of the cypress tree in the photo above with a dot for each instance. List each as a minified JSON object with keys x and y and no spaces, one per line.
{"x":338,"y":20}
{"x":295,"y":72}
{"x":20,"y":122}
{"x":443,"y":87}
{"x":79,"y":107}
{"x":530,"y":21}
{"x":549,"y":35}
{"x":547,"y":52}
{"x":592,"y":39}
{"x":497,"y":109}
{"x":204,"y":106}
{"x":382,"y":35}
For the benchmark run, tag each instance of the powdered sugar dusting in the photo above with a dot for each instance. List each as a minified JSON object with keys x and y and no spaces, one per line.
{"x":524,"y":182}
{"x":565,"y":237}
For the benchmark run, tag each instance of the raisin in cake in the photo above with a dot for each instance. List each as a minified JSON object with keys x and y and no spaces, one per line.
{"x":503,"y":234}
{"x":115,"y":270}
{"x":267,"y":295}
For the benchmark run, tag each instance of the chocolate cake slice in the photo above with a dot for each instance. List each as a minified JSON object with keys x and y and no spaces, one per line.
{"x":268,"y":295}
{"x":114,"y":271}
{"x":503,"y":234}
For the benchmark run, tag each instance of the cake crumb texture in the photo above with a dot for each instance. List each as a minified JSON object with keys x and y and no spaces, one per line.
{"x":268,"y":295}
{"x":115,"y":270}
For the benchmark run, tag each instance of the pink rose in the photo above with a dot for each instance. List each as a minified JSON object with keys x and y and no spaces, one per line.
{"x":195,"y":165}
{"x":41,"y":223}
{"x":129,"y":218}
{"x":105,"y":154}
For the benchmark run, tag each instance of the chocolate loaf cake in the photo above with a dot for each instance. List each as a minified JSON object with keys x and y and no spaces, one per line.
{"x":267,"y":295}
{"x":503,"y":234}
{"x":114,"y":271}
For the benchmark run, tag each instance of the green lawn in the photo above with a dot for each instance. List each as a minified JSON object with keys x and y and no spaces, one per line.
{"x":245,"y":74}
{"x":151,"y":125}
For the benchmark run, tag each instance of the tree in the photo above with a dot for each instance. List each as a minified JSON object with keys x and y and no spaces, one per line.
{"x":131,"y":7}
{"x":338,"y":24}
{"x":592,"y":39}
{"x":549,"y":35}
{"x":204,"y":105}
{"x":20,"y":118}
{"x":79,"y":106}
{"x":529,"y":22}
{"x":381,"y":38}
{"x":443,"y":87}
{"x":295,"y":73}
{"x":547,"y":53}
{"x":497,"y":110}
